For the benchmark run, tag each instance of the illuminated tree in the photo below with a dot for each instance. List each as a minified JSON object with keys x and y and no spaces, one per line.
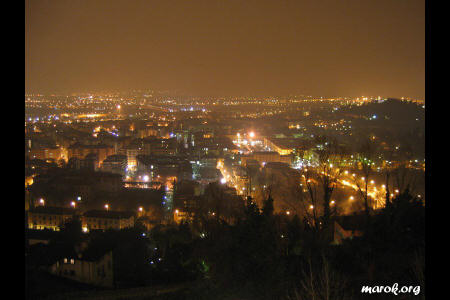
{"x":365,"y":162}
{"x":321,"y":182}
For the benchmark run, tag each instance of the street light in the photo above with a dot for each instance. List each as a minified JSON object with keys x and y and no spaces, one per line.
{"x":106,"y":206}
{"x":72,"y":204}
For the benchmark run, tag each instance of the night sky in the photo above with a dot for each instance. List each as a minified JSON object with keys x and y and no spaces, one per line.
{"x":219,"y":48}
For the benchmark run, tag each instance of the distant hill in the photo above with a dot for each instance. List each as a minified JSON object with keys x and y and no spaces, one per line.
{"x":393,"y":109}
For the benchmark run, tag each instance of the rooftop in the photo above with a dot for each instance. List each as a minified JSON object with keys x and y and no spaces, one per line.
{"x":79,"y":145}
{"x":108,"y":214}
{"x":51,"y":210}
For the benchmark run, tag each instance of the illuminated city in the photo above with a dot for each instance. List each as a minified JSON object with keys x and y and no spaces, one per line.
{"x":190,"y":194}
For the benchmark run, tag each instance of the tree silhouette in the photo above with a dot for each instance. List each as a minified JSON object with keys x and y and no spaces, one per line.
{"x":365,"y":162}
{"x":321,"y":182}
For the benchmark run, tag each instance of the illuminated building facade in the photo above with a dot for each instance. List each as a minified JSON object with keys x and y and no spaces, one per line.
{"x":265,"y":157}
{"x":103,"y":219}
{"x":42,"y":217}
{"x":278,"y":146}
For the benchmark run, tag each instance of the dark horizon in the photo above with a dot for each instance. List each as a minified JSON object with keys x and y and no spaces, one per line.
{"x":262,"y":48}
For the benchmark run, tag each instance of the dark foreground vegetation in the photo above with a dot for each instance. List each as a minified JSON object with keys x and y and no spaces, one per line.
{"x":260,"y":256}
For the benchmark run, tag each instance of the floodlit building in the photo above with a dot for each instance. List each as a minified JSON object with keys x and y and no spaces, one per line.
{"x":266,"y":157}
{"x":42,"y":217}
{"x":104,"y":219}
{"x":279,"y":145}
